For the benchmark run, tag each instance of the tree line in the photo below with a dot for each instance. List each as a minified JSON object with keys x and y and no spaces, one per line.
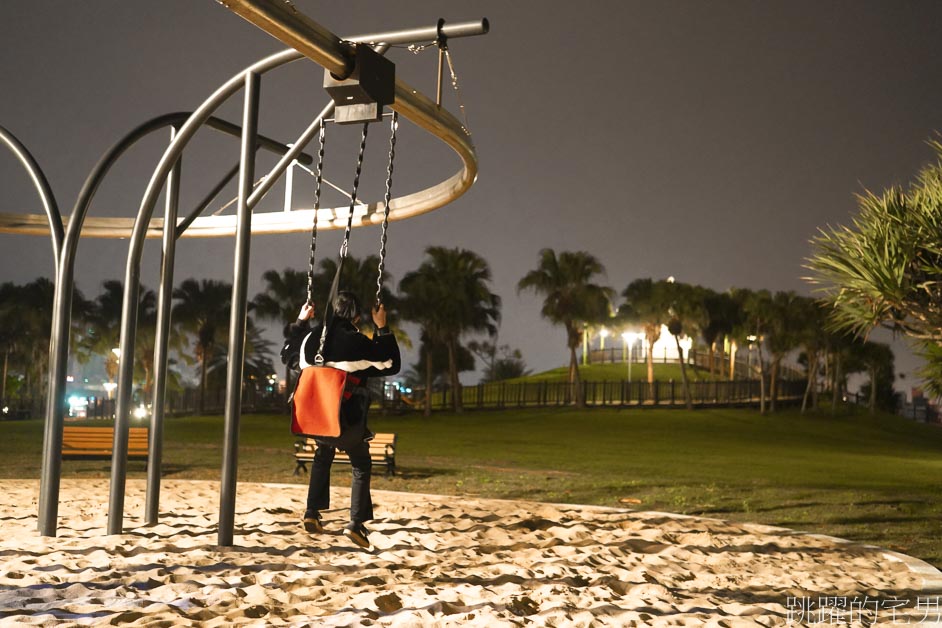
{"x":777,"y":324}
{"x":449,"y":298}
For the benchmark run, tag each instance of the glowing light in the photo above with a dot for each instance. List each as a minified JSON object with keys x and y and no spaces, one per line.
{"x":117,"y":352}
{"x":69,"y":378}
{"x":140,"y":412}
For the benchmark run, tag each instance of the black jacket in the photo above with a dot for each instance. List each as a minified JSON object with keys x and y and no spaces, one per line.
{"x":346,"y":348}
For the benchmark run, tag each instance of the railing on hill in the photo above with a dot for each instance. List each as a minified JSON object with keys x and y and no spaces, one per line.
{"x":745,"y":369}
{"x":613,"y":393}
{"x":496,"y":395}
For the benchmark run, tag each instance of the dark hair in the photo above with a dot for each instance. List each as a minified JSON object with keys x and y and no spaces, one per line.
{"x":346,"y":305}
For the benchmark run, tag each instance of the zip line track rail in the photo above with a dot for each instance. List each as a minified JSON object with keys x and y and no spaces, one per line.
{"x":410,"y":104}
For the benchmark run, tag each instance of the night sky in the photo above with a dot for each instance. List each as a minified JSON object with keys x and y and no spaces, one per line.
{"x":707,"y":141}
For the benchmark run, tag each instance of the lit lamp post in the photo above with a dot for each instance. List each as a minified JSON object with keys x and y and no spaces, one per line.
{"x":603,"y":334}
{"x":629,"y":337}
{"x":685,"y":344}
{"x":752,"y":341}
{"x":585,"y":345}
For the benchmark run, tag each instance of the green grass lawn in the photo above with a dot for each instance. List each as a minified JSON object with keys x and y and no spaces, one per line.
{"x":854,"y":476}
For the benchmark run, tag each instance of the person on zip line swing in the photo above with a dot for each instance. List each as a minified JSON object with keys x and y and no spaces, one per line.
{"x":361,"y":357}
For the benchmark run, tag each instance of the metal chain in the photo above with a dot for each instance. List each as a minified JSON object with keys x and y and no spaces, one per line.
{"x":318,"y":178}
{"x":319,"y":358}
{"x":353,"y":194}
{"x":454,"y":83}
{"x":386,"y":200}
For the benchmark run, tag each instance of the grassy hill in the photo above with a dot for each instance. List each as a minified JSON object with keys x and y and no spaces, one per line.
{"x":618,"y":372}
{"x":872,"y":479}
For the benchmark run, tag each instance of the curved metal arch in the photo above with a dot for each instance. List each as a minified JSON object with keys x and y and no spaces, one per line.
{"x":62,"y":304}
{"x":53,"y":217}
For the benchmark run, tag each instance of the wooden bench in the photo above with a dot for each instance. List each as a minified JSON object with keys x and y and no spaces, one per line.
{"x":382,"y":452}
{"x":97,"y":442}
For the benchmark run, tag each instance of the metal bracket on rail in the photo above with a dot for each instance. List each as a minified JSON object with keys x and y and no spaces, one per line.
{"x":361,"y":96}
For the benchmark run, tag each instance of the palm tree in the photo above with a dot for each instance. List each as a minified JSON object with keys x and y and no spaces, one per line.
{"x":421,"y":294}
{"x":202,"y":309}
{"x":813,"y":338}
{"x":647,"y":303}
{"x":722,"y":316}
{"x":883,"y":270}
{"x":12,"y":330}
{"x":757,"y":314}
{"x":359,"y":277}
{"x":783,"y":334}
{"x":36,"y":298}
{"x":280,"y":302}
{"x":570,"y":298}
{"x":257,"y":351}
{"x":686,"y":314}
{"x":877,"y":359}
{"x":103,"y":326}
{"x":500,"y":362}
{"x":449,"y":295}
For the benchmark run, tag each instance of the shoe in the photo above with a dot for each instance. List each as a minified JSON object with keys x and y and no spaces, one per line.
{"x":312,"y":523}
{"x":357,"y":533}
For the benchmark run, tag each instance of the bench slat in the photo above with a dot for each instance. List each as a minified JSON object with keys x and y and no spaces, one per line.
{"x":97,"y":442}
{"x":382,"y":451}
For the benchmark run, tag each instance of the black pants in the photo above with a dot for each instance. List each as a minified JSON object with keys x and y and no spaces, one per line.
{"x":318,"y":493}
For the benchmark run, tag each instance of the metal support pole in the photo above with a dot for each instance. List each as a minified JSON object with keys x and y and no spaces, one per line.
{"x":441,"y":68}
{"x":57,"y":233}
{"x":230,"y":450}
{"x":122,"y":419}
{"x":289,"y":186}
{"x":161,"y":342}
{"x":186,"y":222}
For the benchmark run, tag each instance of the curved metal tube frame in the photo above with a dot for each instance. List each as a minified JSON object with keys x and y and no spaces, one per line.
{"x":48,"y":199}
{"x":409,"y":103}
{"x":62,"y":305}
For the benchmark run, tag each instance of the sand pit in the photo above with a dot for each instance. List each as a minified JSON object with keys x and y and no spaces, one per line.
{"x":438,"y":561}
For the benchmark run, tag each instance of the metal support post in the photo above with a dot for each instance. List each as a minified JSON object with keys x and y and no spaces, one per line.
{"x":230,"y":450}
{"x":122,"y":419}
{"x":442,"y":41}
{"x":161,"y":342}
{"x":209,"y":198}
{"x":289,"y":187}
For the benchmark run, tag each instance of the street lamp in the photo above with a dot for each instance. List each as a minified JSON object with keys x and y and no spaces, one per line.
{"x":629,"y":337}
{"x":752,"y":341}
{"x":603,"y":334}
{"x":585,"y":345}
{"x":109,"y":388}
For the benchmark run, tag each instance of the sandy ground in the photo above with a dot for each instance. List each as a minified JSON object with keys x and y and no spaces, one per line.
{"x":437,"y":561}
